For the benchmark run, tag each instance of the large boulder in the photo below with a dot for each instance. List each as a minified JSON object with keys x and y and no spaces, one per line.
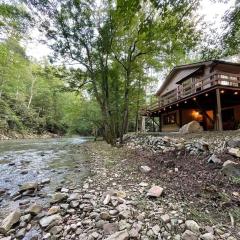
{"x":231,"y":168}
{"x":191,"y":127}
{"x":9,"y":221}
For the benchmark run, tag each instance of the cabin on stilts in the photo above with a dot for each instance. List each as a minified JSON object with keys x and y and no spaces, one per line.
{"x":208,"y":92}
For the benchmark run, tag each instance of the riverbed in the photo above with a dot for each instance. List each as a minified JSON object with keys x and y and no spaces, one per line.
{"x":59,"y":162}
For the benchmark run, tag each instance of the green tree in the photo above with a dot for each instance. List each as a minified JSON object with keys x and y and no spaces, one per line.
{"x":96,"y":36}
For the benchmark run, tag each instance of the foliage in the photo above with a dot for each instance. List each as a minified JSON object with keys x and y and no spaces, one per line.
{"x":32,"y":97}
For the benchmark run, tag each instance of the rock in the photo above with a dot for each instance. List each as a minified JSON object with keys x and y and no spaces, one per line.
{"x":214,"y":159}
{"x":191,"y":127}
{"x":110,"y":228}
{"x":145,"y":169}
{"x":26,"y":218}
{"x":58,"y":197}
{"x":74,"y":204}
{"x":192,"y":226}
{"x":6,"y":238}
{"x":231,"y":168}
{"x":49,"y":220}
{"x":188,"y":235}
{"x":21,"y":233}
{"x":165,"y":218}
{"x":122,"y":235}
{"x":107,"y":199}
{"x":143,"y":184}
{"x":105,"y":216}
{"x":133,"y":233}
{"x":34,"y":209}
{"x":28,"y":186}
{"x":155,"y":191}
{"x":2,"y":191}
{"x":234,"y":143}
{"x":74,"y":196}
{"x":125,"y":214}
{"x":45,"y":181}
{"x":156,"y":229}
{"x":9,"y":221}
{"x":53,"y":210}
{"x":234,"y":151}
{"x":55,"y":230}
{"x":207,"y":236}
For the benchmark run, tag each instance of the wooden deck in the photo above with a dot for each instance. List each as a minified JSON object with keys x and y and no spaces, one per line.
{"x":193,"y":88}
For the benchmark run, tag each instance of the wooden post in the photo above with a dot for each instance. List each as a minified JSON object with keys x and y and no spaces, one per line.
{"x":143,"y":128}
{"x":219,"y":111}
{"x":160,"y":122}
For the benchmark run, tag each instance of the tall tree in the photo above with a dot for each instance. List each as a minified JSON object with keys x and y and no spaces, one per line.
{"x":95,"y":35}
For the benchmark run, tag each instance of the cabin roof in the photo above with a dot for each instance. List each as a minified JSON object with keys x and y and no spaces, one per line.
{"x":189,"y":69}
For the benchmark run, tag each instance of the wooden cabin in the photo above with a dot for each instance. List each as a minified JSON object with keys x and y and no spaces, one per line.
{"x":208,"y":92}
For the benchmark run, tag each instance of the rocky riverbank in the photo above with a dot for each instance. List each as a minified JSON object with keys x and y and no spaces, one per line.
{"x":16,"y":135}
{"x":134,"y":193}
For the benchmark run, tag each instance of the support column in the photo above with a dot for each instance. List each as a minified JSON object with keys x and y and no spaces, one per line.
{"x":219,"y":111}
{"x":160,"y":122}
{"x":143,"y":126}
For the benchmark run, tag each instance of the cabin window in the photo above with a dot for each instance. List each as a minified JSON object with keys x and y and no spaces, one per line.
{"x":170,"y":119}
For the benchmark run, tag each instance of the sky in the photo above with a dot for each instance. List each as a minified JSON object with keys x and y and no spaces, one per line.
{"x":211,"y":10}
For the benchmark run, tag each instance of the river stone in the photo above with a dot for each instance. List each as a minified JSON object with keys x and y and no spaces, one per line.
{"x":207,"y":236}
{"x":55,"y":230}
{"x":58,"y":197}
{"x":145,"y":169}
{"x":28,"y":186}
{"x":214,"y":159}
{"x":107,"y":199}
{"x":105,"y":216}
{"x":191,"y":127}
{"x":74,"y":196}
{"x":234,"y":151}
{"x":155,"y":191}
{"x":192,"y":226}
{"x":122,"y":235}
{"x":165,"y":218}
{"x":110,"y":228}
{"x":234,"y":143}
{"x":231,"y":168}
{"x":9,"y":221}
{"x":189,"y":235}
{"x":53,"y":210}
{"x":46,"y":221}
{"x":34,"y":209}
{"x":2,"y":191}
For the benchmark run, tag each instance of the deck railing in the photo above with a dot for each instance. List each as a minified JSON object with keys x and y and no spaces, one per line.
{"x":184,"y":90}
{"x":187,"y":89}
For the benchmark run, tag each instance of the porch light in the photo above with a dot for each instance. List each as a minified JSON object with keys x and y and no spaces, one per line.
{"x":206,"y":94}
{"x":170,"y":107}
{"x":185,"y":102}
{"x":194,"y":99}
{"x":235,"y":93}
{"x":222,"y":91}
{"x":177,"y":104}
{"x":164,"y":109}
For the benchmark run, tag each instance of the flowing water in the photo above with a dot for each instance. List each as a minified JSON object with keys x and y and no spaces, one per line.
{"x":60,"y":160}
